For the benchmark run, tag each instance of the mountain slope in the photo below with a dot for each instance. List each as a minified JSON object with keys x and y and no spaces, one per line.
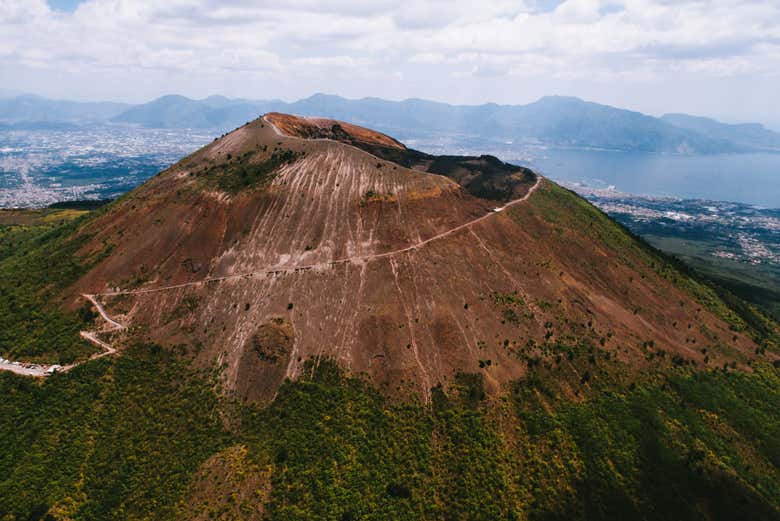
{"x":749,"y":135}
{"x":180,"y":112}
{"x":27,"y":109}
{"x":395,"y":272}
{"x":573,"y":122}
{"x":317,"y":331}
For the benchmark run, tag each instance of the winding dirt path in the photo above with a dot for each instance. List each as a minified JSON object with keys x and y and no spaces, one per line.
{"x":319,"y":265}
{"x":40,"y":370}
{"x":111,"y":322}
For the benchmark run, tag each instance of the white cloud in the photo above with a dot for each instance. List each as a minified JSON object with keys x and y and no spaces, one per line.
{"x":587,"y":40}
{"x":332,"y":61}
{"x":427,"y":57}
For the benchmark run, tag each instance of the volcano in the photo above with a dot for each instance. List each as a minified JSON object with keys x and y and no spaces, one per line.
{"x":292,"y":240}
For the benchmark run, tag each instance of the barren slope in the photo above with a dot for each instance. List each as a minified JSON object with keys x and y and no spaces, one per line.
{"x":265,"y":249}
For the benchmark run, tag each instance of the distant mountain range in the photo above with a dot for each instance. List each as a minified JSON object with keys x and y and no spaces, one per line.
{"x":748,"y":135}
{"x":550,"y":121}
{"x":27,"y":109}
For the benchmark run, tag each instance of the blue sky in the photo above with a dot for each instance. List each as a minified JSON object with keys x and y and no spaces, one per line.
{"x":711,"y":57}
{"x":65,"y":5}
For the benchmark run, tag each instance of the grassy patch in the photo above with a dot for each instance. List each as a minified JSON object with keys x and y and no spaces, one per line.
{"x":114,"y":439}
{"x":701,"y":445}
{"x":512,"y":307}
{"x":251,"y":169}
{"x":569,"y":211}
{"x":36,"y":264}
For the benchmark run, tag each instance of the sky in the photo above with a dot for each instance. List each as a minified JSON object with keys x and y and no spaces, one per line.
{"x":718,"y":58}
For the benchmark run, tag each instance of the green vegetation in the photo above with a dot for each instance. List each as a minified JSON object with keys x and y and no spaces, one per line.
{"x":113,"y":439}
{"x":483,"y":176}
{"x":85,"y":204}
{"x":580,"y":436}
{"x":667,"y":450}
{"x":339,"y":454}
{"x":37,"y":262}
{"x":123,"y":438}
{"x":512,"y":307}
{"x":754,"y":283}
{"x":251,"y":169}
{"x":22,"y":220}
{"x":567,"y":210}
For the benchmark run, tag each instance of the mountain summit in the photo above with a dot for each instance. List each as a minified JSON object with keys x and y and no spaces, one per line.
{"x":295,"y":239}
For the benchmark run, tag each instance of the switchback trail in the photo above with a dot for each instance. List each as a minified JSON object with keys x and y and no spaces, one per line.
{"x":40,"y":370}
{"x":111,"y":322}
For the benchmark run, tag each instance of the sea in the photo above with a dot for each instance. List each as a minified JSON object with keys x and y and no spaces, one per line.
{"x":749,"y":178}
{"x":38,"y":168}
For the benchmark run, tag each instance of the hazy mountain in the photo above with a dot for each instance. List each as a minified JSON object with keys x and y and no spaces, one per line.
{"x":28,"y":108}
{"x":8,"y":93}
{"x":749,"y":135}
{"x":556,"y":121}
{"x":553,"y":120}
{"x":180,"y":112}
{"x":550,"y":121}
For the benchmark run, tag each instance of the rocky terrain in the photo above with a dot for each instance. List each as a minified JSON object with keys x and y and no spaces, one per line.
{"x":284,"y":231}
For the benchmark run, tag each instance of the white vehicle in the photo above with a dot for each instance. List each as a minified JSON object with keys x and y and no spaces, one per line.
{"x":497,"y":209}
{"x":53,"y":369}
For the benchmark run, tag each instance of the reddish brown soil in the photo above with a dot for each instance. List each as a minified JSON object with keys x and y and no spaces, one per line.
{"x":309,"y":128}
{"x":550,"y":268}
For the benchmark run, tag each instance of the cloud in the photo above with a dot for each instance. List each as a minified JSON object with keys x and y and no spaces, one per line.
{"x":332,"y":61}
{"x":427,"y":57}
{"x":287,"y":39}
